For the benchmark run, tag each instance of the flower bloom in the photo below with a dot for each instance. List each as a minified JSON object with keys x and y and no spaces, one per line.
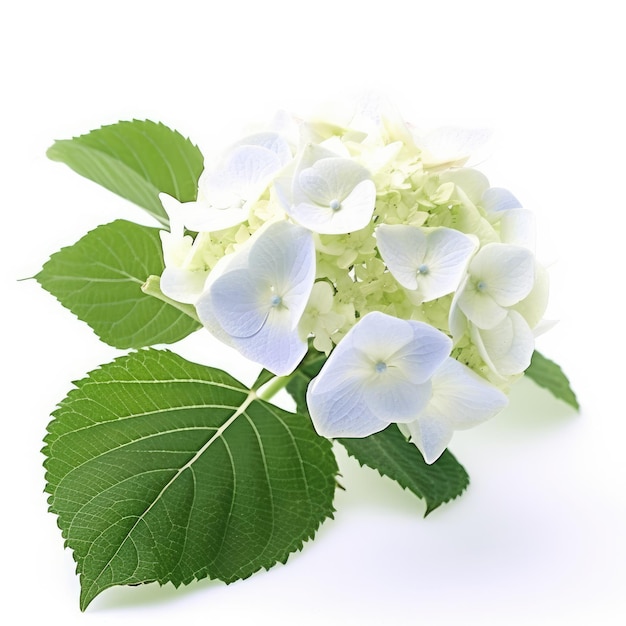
{"x":378,"y":374}
{"x":327,"y":193}
{"x":460,"y":399}
{"x":255,"y":299}
{"x":431,"y":263}
{"x":377,"y":246}
{"x":226,"y":193}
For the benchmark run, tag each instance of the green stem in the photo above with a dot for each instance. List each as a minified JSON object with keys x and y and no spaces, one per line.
{"x":152,"y":287}
{"x":274,"y":386}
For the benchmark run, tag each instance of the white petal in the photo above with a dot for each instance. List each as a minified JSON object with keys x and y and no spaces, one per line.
{"x":517,"y":226}
{"x":508,"y":347}
{"x":274,"y":142}
{"x":246,"y":173}
{"x":284,"y":259}
{"x":415,"y":348}
{"x":328,"y":179}
{"x":277,"y":347}
{"x":385,"y":363}
{"x":402,"y":248}
{"x":392,"y":397}
{"x":354,"y":213}
{"x":421,"y":357}
{"x":461,"y":397}
{"x":201,"y":217}
{"x":534,"y":305}
{"x":430,"y":435}
{"x":237,"y":302}
{"x":448,"y":253}
{"x":342,"y":411}
{"x":496,"y":200}
{"x":506,"y":271}
{"x":451,"y":146}
{"x":241,"y":307}
{"x":183,"y":285}
{"x":430,"y":262}
{"x":479,"y":307}
{"x":472,"y":182}
{"x":173,"y":209}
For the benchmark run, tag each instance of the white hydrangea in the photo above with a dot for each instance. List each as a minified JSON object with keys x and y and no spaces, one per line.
{"x":365,"y":240}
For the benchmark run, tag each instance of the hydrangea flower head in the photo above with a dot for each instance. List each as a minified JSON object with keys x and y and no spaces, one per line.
{"x":377,"y":246}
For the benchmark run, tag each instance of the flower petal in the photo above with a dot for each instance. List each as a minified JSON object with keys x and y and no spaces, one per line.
{"x":353,"y":213}
{"x":385,"y":363}
{"x":284,"y":259}
{"x":462,"y":397}
{"x":201,"y":217}
{"x":431,"y":263}
{"x":479,"y":307}
{"x":517,"y":226}
{"x":392,"y":397}
{"x":430,"y":435}
{"x":508,"y":347}
{"x":496,"y":200}
{"x":243,"y":307}
{"x":183,"y":285}
{"x":507,"y":272}
{"x":238,"y":304}
{"x":402,"y":248}
{"x":342,"y":411}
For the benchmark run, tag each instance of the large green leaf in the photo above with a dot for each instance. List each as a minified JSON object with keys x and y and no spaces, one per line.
{"x":389,"y":452}
{"x":136,"y":160}
{"x":392,"y":455}
{"x":164,"y":470}
{"x":99,"y":279}
{"x":548,"y":374}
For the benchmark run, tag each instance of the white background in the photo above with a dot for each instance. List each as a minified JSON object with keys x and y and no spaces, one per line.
{"x":540,"y":536}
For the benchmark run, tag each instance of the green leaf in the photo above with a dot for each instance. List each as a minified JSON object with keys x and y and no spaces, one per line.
{"x":135,"y":160}
{"x":549,"y":375}
{"x":389,"y":452}
{"x":393,"y":456}
{"x":164,"y":470}
{"x":100,"y":277}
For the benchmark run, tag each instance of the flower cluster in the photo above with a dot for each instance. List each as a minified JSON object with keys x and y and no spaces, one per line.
{"x":379,"y":248}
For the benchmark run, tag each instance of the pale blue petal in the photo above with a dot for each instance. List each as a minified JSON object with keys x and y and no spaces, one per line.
{"x":429,"y":262}
{"x":431,"y":437}
{"x":341,"y":411}
{"x":496,"y":200}
{"x":238,"y":304}
{"x":420,"y":357}
{"x":276,"y":346}
{"x":355,"y":212}
{"x":391,"y":396}
{"x":282,"y":255}
{"x":274,"y":142}
{"x":462,"y":398}
{"x":331,"y":178}
{"x":379,"y":335}
{"x":412,"y":347}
